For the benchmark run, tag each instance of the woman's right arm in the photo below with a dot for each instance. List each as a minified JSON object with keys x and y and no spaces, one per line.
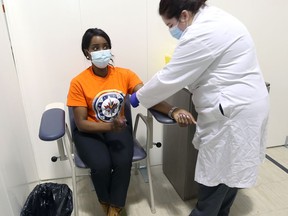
{"x":84,"y":125}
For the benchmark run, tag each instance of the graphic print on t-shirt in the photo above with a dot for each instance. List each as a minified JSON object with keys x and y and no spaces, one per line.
{"x":107,"y":104}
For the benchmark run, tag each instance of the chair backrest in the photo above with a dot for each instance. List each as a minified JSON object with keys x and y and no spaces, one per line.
{"x":71,"y":119}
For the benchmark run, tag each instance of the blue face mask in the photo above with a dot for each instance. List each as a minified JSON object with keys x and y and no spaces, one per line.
{"x":101,"y":58}
{"x":176,"y":32}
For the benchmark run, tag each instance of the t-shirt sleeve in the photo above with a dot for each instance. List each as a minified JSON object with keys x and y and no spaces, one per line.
{"x":75,"y":95}
{"x":134,"y":80}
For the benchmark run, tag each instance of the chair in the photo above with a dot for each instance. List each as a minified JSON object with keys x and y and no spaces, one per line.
{"x":54,"y":128}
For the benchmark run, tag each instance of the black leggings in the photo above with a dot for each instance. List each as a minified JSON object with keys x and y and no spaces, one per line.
{"x":109,"y":156}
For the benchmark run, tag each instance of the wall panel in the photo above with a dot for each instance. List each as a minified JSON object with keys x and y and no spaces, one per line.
{"x":17,"y":162}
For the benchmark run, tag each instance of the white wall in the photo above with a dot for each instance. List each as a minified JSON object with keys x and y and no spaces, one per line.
{"x":46,"y":38}
{"x":17,"y":163}
{"x":46,"y":49}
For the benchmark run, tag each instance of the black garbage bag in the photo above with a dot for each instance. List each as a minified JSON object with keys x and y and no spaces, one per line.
{"x":49,"y":199}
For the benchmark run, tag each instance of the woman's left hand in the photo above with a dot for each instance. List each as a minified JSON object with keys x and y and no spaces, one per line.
{"x":183,"y":117}
{"x":119,"y":123}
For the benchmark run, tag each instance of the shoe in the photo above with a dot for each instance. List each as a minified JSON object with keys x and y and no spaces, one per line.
{"x":114,"y":211}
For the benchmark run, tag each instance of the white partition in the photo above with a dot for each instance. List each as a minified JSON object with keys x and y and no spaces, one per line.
{"x":45,"y":37}
{"x":17,"y":163}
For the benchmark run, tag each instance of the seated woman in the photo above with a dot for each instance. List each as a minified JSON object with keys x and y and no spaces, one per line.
{"x":103,"y":141}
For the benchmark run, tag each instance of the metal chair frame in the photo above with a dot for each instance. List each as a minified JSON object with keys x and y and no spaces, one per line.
{"x":54,"y":128}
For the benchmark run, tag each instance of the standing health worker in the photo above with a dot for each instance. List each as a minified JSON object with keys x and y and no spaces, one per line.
{"x":216,"y":60}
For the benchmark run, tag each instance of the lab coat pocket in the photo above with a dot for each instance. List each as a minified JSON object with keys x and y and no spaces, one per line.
{"x":225,"y":107}
{"x":223,"y":111}
{"x":210,"y":123}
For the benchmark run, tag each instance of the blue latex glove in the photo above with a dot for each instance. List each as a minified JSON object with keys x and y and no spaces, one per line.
{"x":134,"y":100}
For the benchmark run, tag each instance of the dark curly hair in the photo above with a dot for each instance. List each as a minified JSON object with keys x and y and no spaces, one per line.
{"x":173,"y":8}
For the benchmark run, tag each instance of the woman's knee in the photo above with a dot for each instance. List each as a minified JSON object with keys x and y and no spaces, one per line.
{"x":124,"y":165}
{"x":104,"y":167}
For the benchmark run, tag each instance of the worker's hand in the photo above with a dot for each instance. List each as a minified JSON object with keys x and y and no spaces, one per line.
{"x":119,"y":123}
{"x":183,"y":117}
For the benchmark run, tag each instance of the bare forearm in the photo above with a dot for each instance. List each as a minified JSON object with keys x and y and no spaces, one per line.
{"x":162,"y":107}
{"x":181,"y":116}
{"x":94,"y":127}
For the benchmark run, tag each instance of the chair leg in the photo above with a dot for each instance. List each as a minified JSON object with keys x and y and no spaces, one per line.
{"x":73,"y":173}
{"x":153,"y":210}
{"x":75,"y":199}
{"x":149,"y":145}
{"x":136,"y":167}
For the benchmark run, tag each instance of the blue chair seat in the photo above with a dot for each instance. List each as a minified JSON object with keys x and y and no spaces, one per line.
{"x":52,"y":125}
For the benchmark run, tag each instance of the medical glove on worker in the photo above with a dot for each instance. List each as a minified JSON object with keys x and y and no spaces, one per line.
{"x":134,"y":100}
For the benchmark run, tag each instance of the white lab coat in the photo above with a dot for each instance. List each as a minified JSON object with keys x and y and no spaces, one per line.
{"x":216,"y":59}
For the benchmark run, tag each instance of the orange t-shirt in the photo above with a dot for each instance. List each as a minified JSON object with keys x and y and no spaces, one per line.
{"x":103,"y":96}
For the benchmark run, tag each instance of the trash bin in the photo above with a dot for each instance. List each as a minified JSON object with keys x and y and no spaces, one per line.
{"x":49,"y":199}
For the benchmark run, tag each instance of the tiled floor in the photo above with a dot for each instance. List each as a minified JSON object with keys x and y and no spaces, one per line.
{"x":268,"y":198}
